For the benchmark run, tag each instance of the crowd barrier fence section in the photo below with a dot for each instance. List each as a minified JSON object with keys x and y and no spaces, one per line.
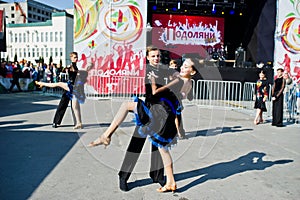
{"x":24,"y":83}
{"x":226,"y":94}
{"x":117,"y":87}
{"x":290,"y":107}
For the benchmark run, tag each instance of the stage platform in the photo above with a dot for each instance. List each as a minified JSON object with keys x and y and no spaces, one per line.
{"x":230,"y":73}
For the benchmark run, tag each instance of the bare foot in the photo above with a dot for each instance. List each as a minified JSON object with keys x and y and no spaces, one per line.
{"x":39,"y":84}
{"x":256,"y":122}
{"x":102,"y":140}
{"x":78,"y":126}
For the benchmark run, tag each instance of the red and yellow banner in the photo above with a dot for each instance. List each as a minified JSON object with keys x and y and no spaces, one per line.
{"x":110,"y":34}
{"x":287,"y":38}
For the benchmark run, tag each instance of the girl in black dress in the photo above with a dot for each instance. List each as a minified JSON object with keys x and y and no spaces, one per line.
{"x":157,"y":121}
{"x":261,"y":96}
{"x":277,"y":98}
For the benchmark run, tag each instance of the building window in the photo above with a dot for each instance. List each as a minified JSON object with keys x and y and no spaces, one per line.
{"x":33,"y":52}
{"x":51,"y":36}
{"x":56,"y":53}
{"x":11,"y":38}
{"x":42,"y":52}
{"x":37,"y":37}
{"x":61,"y":52}
{"x":12,"y":22}
{"x":32,"y":37}
{"x":51,"y":52}
{"x":20,"y":37}
{"x":24,"y":37}
{"x":42,"y":37}
{"x":60,"y":36}
{"x":37,"y":52}
{"x":47,"y":53}
{"x":24,"y":53}
{"x":20,"y":53}
{"x":28,"y":53}
{"x":16,"y":38}
{"x":12,"y":15}
{"x":56,"y":36}
{"x":46,"y":37}
{"x":12,"y":8}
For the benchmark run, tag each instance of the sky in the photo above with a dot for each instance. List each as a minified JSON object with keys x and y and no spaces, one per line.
{"x":60,"y":4}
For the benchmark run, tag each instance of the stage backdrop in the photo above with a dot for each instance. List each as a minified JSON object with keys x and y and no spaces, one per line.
{"x":183,"y":34}
{"x":287,"y":38}
{"x":110,"y":34}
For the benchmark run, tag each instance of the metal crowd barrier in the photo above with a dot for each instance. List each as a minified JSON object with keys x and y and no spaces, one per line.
{"x":225,"y":94}
{"x":290,"y":107}
{"x":114,"y":87}
{"x":213,"y":93}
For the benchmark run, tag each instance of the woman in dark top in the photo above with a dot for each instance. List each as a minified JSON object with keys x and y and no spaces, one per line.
{"x":261,"y":96}
{"x":277,"y":98}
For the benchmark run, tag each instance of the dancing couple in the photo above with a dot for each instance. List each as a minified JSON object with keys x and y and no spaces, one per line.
{"x":156,"y":116}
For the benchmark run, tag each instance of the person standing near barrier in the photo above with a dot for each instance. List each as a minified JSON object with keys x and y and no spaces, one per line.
{"x":260,"y":96}
{"x":288,"y":95}
{"x":173,"y":65}
{"x":277,"y":98}
{"x":16,"y":74}
{"x":64,"y":101}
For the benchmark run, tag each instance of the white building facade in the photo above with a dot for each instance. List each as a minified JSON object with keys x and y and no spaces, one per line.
{"x":32,"y":41}
{"x":20,"y":12}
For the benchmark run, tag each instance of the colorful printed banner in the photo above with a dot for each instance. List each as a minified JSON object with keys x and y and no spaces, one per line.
{"x":181,"y":34}
{"x":110,"y":34}
{"x":287,"y":38}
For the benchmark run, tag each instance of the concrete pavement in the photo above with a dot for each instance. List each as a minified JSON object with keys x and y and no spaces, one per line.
{"x":224,"y":157}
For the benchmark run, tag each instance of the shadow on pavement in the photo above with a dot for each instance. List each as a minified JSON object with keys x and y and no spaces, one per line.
{"x":216,"y":131}
{"x":12,"y":102}
{"x":27,"y":158}
{"x":248,"y":162}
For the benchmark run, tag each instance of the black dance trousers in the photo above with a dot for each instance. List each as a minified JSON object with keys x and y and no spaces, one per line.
{"x":13,"y":83}
{"x":277,"y":112}
{"x":61,"y":109}
{"x":132,"y":154}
